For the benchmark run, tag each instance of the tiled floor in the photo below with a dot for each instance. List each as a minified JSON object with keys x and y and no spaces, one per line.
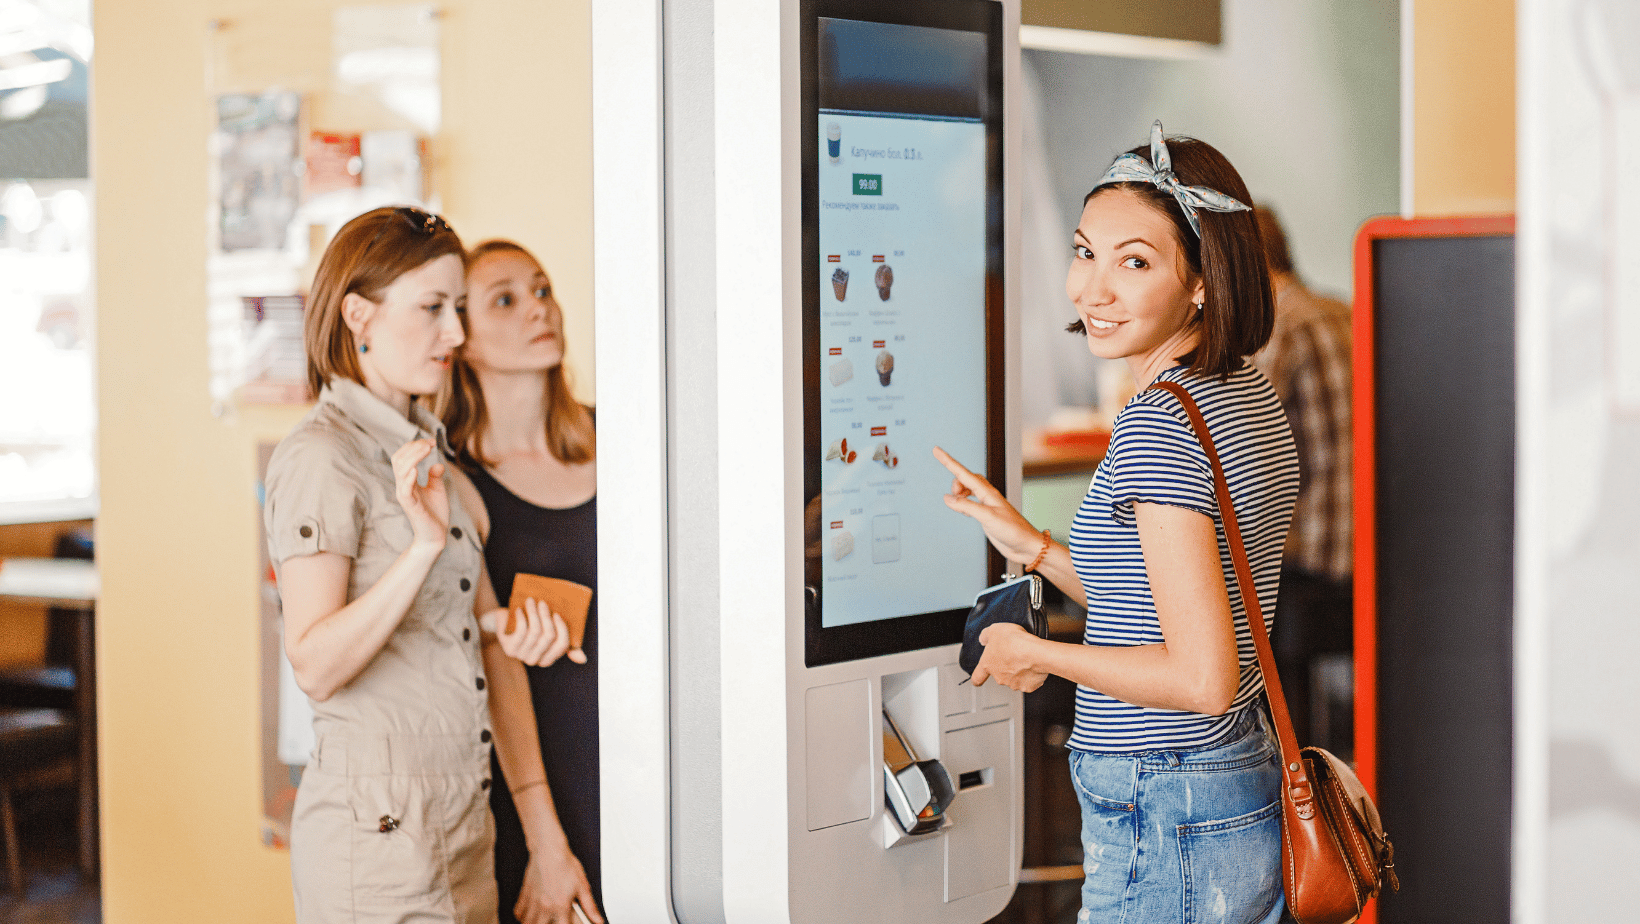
{"x":55,"y":892}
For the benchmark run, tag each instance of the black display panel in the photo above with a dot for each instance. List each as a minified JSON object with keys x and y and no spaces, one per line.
{"x":1443,"y":384}
{"x":902,"y":315}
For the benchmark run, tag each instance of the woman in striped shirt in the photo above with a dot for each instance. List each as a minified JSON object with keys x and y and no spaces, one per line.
{"x":1174,"y":762}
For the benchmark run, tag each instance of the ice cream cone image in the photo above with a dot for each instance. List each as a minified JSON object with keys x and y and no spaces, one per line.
{"x":881,"y":453}
{"x":839,"y":283}
{"x":884,"y":279}
{"x":837,"y":450}
{"x":885,"y":366}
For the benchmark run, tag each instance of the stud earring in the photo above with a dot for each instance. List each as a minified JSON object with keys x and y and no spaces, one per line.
{"x":365,"y":347}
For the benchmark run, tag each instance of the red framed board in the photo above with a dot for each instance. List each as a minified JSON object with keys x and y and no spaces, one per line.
{"x":1434,"y":504}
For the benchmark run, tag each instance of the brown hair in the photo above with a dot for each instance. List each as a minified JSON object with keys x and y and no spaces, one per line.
{"x":1276,"y":254}
{"x":570,"y":433}
{"x":1238,"y":310}
{"x":364,"y":258}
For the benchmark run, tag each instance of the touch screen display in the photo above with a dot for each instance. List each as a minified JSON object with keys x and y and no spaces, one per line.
{"x":901,"y":238}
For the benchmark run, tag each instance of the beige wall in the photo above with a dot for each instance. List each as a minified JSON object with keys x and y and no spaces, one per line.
{"x":1464,"y":106}
{"x":178,"y":534}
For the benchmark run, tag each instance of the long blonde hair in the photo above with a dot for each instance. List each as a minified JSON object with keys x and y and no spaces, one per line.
{"x":570,"y":433}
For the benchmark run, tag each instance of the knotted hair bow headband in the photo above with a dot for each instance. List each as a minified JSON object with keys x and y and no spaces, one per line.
{"x":1131,"y":168}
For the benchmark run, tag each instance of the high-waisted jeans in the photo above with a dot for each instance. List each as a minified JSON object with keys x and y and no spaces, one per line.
{"x":1189,"y":835}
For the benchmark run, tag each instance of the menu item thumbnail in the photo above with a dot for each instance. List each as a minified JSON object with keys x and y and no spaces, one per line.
{"x":884,"y":279}
{"x":841,"y":371}
{"x":885,"y":455}
{"x":842,"y":545}
{"x":885,"y":538}
{"x":885,"y":366}
{"x":839,"y":450}
{"x":834,"y":142}
{"x":839,"y":282}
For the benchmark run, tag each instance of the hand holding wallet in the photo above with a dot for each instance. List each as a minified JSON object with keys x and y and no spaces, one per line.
{"x":565,"y":598}
{"x":1017,"y":600}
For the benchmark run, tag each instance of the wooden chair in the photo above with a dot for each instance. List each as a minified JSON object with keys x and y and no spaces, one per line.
{"x":62,"y":684}
{"x":37,"y":747}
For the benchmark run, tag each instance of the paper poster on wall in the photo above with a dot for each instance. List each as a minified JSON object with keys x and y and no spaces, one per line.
{"x":300,"y":149}
{"x":257,"y":158}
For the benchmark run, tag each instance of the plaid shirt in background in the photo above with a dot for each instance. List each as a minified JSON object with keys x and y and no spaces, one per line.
{"x":1308,"y":362}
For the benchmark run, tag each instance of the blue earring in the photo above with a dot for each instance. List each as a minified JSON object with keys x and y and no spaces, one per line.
{"x":364,"y":348}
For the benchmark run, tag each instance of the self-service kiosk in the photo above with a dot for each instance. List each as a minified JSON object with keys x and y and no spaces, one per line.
{"x":805,"y":252}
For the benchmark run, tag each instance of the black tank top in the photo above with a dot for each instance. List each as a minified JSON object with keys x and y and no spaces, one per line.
{"x":560,"y":543}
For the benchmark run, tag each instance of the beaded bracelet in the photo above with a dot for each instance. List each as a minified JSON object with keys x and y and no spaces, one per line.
{"x":1047,"y":540}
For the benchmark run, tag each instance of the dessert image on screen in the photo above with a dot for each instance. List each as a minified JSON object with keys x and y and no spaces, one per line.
{"x":839,"y":450}
{"x":884,"y":279}
{"x":842,"y":544}
{"x":841,"y":371}
{"x":885,"y":366}
{"x":885,"y":455}
{"x":839,"y":282}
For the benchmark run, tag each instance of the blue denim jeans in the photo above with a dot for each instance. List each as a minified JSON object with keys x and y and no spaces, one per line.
{"x":1192,"y":835}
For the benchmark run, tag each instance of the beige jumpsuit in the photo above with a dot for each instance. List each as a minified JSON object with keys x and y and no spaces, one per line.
{"x":392,"y":820}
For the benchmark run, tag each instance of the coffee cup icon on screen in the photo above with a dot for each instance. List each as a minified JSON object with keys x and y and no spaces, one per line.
{"x":834,"y":142}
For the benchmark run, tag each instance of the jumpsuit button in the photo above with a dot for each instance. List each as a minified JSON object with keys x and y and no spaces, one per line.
{"x":388,"y":823}
{"x":480,"y":682}
{"x":455,"y":531}
{"x":466,"y":584}
{"x":484,"y":736}
{"x":466,"y":634}
{"x":306,"y":532}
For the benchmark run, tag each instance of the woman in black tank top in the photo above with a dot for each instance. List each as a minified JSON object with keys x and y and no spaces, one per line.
{"x":530,"y":449}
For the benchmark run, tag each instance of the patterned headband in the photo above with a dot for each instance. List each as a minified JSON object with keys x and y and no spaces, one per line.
{"x":1131,"y":168}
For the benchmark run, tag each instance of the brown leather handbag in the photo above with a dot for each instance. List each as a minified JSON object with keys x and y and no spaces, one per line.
{"x":1334,"y":853}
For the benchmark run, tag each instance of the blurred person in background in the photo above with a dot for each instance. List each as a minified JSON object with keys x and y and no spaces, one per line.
{"x":1308,"y":362}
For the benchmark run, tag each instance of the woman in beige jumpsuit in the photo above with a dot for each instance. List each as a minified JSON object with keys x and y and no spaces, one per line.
{"x":390,"y":623}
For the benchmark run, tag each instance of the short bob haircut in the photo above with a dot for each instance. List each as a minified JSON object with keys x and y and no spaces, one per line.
{"x":570,"y":434}
{"x":1238,"y":311}
{"x":364,"y":258}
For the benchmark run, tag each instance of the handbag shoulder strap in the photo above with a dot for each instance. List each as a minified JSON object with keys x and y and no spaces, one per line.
{"x":1292,"y":767}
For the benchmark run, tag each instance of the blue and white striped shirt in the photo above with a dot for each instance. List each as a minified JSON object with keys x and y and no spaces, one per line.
{"x":1154,"y":457}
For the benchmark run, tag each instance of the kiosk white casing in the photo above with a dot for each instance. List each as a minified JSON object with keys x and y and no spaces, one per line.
{"x":740,"y":784}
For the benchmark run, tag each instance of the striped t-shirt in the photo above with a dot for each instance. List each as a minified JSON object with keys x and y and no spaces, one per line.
{"x":1154,"y":457}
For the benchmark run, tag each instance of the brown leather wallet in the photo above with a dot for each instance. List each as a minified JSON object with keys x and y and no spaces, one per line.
{"x":565,"y":598}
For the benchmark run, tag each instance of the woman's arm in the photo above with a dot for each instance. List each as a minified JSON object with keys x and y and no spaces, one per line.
{"x":1196,"y":668}
{"x":554,"y":877}
{"x":1011,"y":534}
{"x":329,"y":640}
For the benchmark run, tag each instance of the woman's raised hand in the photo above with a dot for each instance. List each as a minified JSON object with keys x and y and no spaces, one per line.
{"x":973,"y":496}
{"x":538,"y":636}
{"x":427,"y":507}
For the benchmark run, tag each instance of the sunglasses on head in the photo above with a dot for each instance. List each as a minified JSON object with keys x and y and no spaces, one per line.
{"x":423,"y":221}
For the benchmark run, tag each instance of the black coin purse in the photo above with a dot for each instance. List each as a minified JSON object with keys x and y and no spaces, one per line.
{"x":1018,"y":601}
